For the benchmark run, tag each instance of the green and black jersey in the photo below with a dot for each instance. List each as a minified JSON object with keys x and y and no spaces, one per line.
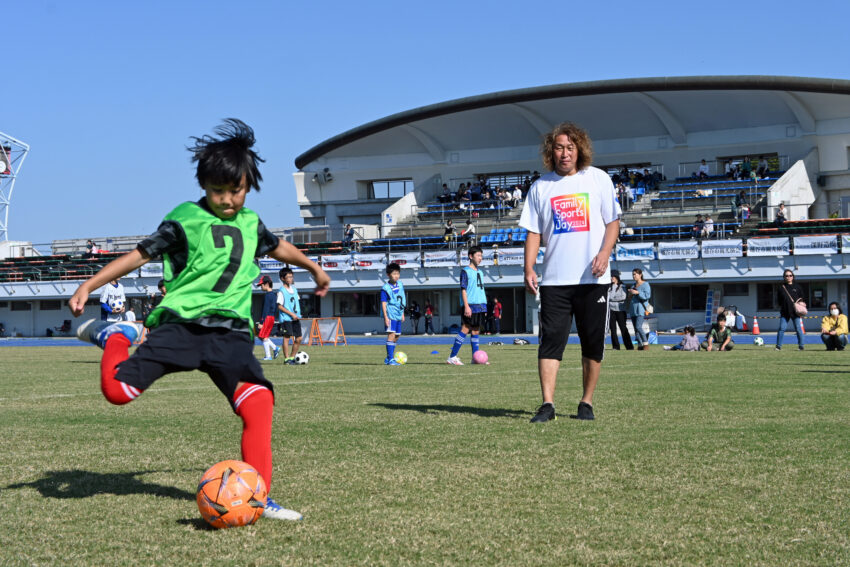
{"x":209,"y":266}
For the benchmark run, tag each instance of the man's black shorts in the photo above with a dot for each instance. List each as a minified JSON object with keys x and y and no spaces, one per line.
{"x":292,"y":329}
{"x":558,"y":304}
{"x":226,"y":356}
{"x":475,"y":321}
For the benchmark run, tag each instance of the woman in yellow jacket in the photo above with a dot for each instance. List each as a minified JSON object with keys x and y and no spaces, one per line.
{"x":833,"y":328}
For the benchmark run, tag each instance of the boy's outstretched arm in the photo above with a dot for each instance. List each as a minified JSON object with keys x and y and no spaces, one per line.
{"x":115,"y":269}
{"x":286,"y":252}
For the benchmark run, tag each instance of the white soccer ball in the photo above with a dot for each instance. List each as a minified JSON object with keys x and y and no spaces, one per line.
{"x":302,"y":358}
{"x":116,"y":305}
{"x":758,"y":341}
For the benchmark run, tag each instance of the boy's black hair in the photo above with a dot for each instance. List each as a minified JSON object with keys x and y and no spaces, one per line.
{"x":284,"y":272}
{"x":226,"y":159}
{"x":472,"y":250}
{"x":393,"y":267}
{"x":721,"y":317}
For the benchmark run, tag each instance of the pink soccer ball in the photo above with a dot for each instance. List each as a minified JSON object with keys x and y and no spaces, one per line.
{"x":480,"y":357}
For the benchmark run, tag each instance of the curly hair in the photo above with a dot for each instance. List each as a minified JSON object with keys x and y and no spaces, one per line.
{"x":577,"y":135}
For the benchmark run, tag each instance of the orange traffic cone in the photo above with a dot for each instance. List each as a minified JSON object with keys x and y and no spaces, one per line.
{"x":756,"y":326}
{"x":802,"y":327}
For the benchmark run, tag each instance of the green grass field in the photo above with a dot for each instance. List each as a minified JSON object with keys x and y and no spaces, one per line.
{"x":738,"y":458}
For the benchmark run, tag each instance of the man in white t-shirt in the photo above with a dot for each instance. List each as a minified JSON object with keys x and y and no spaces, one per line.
{"x":573,"y":211}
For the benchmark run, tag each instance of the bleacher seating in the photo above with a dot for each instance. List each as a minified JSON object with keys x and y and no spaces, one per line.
{"x":810,"y":226}
{"x":677,"y":232}
{"x":471,"y":208}
{"x":716,"y":192}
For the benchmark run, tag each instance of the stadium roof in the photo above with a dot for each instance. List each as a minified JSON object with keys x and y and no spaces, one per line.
{"x":615,"y":109}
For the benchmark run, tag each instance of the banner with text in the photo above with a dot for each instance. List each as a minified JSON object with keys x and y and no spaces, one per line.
{"x":678,"y":250}
{"x":634,"y":251}
{"x":845,"y":243}
{"x":270,"y":265}
{"x":151,"y":270}
{"x":442,"y":258}
{"x":513,"y":256}
{"x":732,"y":248}
{"x":336,"y":262}
{"x":293,"y":266}
{"x":808,"y":245}
{"x":368,"y":261}
{"x":406,"y":259}
{"x":774,"y":246}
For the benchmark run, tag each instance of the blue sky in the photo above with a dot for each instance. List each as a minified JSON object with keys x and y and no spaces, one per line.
{"x":108,"y":93}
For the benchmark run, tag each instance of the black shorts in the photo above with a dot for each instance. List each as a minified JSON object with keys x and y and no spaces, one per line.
{"x":225,"y":356}
{"x":558,"y":304}
{"x":475,"y":321}
{"x":291,"y":329}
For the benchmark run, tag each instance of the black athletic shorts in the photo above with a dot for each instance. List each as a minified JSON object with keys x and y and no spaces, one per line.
{"x":558,"y":304}
{"x":474,"y":322}
{"x":292,"y":329}
{"x":225,"y":356}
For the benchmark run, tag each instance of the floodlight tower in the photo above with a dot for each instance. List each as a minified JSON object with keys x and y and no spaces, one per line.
{"x":12,"y":154}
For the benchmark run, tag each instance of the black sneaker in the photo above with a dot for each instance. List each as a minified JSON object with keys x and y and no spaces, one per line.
{"x":585,"y":412}
{"x":545,"y":413}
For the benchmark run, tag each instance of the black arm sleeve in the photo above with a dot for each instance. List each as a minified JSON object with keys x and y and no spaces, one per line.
{"x":169,"y":237}
{"x":266,"y":240}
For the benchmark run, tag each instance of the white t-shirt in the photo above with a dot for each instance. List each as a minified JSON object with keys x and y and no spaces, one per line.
{"x":570,"y":214}
{"x":129,"y":315}
{"x":111,"y":292}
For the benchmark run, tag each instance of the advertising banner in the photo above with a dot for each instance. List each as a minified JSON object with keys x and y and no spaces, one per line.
{"x":270,"y":265}
{"x":336,"y":262}
{"x":442,"y":258}
{"x":368,"y":261}
{"x":845,"y":243}
{"x":293,"y":266}
{"x":513,"y":256}
{"x":488,"y":257}
{"x":809,"y":245}
{"x":732,"y":248}
{"x":406,"y":259}
{"x":773,"y":246}
{"x":151,"y":270}
{"x":678,"y":250}
{"x":634,"y":251}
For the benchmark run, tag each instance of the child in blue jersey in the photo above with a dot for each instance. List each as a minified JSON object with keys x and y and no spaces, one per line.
{"x":474,"y":303}
{"x":393,"y":302}
{"x":267,"y":318}
{"x":289,"y":309}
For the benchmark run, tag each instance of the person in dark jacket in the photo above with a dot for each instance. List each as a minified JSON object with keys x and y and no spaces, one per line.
{"x":617,"y":312}
{"x":790,"y":292}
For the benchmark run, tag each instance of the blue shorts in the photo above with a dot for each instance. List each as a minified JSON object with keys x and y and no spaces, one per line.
{"x":395,"y":327}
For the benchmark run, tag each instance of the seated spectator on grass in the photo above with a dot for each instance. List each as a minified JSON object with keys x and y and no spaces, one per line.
{"x":780,"y":216}
{"x":833,"y":328}
{"x":703,"y":170}
{"x":699,"y":224}
{"x":720,"y":337}
{"x":763,"y":168}
{"x":707,"y":227}
{"x":690,"y":342}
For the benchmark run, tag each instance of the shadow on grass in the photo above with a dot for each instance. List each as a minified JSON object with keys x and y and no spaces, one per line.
{"x":826,"y":371}
{"x":197,"y":523}
{"x":437,"y":408}
{"x":83,"y":484}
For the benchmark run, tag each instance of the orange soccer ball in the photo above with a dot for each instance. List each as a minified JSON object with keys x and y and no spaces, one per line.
{"x":231,"y":494}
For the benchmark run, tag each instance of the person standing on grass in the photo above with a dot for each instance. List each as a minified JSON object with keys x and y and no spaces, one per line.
{"x":204,"y":322}
{"x":267,"y":318}
{"x":393,"y":303}
{"x":473,"y":303}
{"x":640,"y":294}
{"x":617,"y":312}
{"x":573,"y":211}
{"x":289,"y":314}
{"x":790,"y":293}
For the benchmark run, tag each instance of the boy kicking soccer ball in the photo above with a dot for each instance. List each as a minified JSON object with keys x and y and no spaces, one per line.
{"x":204,"y":321}
{"x":393,"y":303}
{"x":473,"y":300}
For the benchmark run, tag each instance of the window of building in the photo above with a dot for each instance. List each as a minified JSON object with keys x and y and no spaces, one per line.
{"x":688,"y":297}
{"x":311,"y":305}
{"x":21,"y":306}
{"x":390,"y":188}
{"x":817,"y":295}
{"x":4,"y":304}
{"x":50,"y":305}
{"x":736,"y":289}
{"x":357,"y":304}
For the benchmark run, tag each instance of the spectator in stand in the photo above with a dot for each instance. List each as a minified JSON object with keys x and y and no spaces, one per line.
{"x":509,"y":239}
{"x":707,"y":227}
{"x":516,"y":197}
{"x":496,"y":329}
{"x":504,"y":199}
{"x":468,"y":234}
{"x":648,"y":180}
{"x":729,"y":170}
{"x":534,"y":177}
{"x":699,"y":224}
{"x":625,"y":197}
{"x":763,"y":168}
{"x":746,"y":168}
{"x":429,"y":318}
{"x":460,"y":191}
{"x":446,"y":195}
{"x":475,"y":192}
{"x":526,"y":185}
{"x":833,"y":328}
{"x":91,"y":249}
{"x":703,"y":170}
{"x":780,"y":216}
{"x":739,"y":201}
{"x":465,"y":197}
{"x":348,"y":236}
{"x":449,"y":233}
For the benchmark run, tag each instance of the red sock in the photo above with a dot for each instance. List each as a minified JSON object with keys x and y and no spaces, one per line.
{"x":116,"y":351}
{"x":255,"y":404}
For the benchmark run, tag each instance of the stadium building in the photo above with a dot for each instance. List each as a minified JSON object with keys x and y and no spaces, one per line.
{"x":785,"y":140}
